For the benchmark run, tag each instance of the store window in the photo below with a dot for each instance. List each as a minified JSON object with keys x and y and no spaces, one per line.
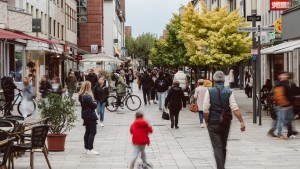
{"x":82,"y":11}
{"x":15,"y":61}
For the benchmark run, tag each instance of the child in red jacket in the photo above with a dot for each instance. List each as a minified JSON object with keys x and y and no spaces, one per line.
{"x":140,"y":129}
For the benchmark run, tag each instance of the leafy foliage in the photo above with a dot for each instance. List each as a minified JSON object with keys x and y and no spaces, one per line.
{"x":211,"y":38}
{"x":61,"y":112}
{"x":170,"y":50}
{"x":130,"y":45}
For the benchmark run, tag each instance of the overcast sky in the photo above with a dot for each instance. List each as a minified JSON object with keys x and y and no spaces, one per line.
{"x":150,"y":15}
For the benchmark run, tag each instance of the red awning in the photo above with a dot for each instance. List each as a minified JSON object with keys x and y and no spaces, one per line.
{"x":4,"y":34}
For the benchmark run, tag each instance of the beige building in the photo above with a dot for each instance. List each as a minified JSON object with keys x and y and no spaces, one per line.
{"x":51,"y":48}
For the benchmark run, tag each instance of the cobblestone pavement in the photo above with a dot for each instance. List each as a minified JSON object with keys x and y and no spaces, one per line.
{"x":186,"y":148}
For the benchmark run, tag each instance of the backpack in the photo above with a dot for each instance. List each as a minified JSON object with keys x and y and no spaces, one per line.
{"x":7,"y":84}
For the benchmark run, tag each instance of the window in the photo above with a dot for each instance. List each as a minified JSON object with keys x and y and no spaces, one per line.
{"x":58,"y":30}
{"x":58,"y":2}
{"x":62,"y":32}
{"x":54,"y":26}
{"x":36,"y":13}
{"x":82,"y":11}
{"x":62,"y":4}
{"x":42,"y":22}
{"x":27,"y":8}
{"x":31,"y":11}
{"x":50,"y":26}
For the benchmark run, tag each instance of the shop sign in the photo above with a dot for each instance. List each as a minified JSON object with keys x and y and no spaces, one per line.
{"x":36,"y":25}
{"x":78,"y":57}
{"x":272,"y":35}
{"x":278,"y":25}
{"x":277,"y":5}
{"x":94,"y":48}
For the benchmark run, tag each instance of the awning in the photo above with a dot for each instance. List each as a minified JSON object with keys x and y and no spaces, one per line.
{"x":51,"y":42}
{"x":281,"y":48}
{"x":289,"y":49}
{"x":4,"y":34}
{"x":101,"y":57}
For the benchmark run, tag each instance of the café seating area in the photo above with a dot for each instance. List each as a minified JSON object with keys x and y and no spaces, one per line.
{"x":18,"y":136}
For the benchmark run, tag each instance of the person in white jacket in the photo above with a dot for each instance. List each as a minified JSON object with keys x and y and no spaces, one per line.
{"x":199,"y":96}
{"x":181,"y":77}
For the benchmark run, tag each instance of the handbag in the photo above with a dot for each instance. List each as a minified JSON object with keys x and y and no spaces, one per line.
{"x":165,"y":115}
{"x":226,"y":115}
{"x":194,"y":107}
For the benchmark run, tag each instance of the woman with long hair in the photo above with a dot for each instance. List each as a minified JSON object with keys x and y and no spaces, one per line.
{"x":89,"y":116}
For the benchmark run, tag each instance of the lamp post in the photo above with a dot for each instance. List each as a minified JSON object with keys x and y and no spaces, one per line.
{"x":254,"y":13}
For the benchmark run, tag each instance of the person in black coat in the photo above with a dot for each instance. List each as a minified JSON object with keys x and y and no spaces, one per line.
{"x":174,"y":102}
{"x":45,"y":87}
{"x":146,"y":83}
{"x":101,"y":93}
{"x":8,"y":87}
{"x":89,"y":116}
{"x":92,"y":77}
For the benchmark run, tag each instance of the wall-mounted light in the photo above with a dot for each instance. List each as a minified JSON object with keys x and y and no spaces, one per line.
{"x":57,"y":56}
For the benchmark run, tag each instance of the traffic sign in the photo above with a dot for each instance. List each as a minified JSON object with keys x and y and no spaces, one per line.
{"x":248,"y":29}
{"x":254,"y":51}
{"x":258,"y":18}
{"x":267,"y":29}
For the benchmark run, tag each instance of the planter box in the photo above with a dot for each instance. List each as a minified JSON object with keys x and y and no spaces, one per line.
{"x":56,"y":142}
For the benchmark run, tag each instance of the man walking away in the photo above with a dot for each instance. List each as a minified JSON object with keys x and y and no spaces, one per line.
{"x":92,"y":77}
{"x":161,"y":85}
{"x":71,"y":84}
{"x":181,"y":77}
{"x":218,"y":104}
{"x":146,"y":83}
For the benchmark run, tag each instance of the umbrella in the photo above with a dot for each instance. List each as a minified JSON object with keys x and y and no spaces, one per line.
{"x":101,"y":57}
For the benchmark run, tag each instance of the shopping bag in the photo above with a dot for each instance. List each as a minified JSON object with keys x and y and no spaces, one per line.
{"x":194,"y":108}
{"x":165,"y":115}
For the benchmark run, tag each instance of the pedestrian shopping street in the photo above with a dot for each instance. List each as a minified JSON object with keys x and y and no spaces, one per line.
{"x":188,"y":147}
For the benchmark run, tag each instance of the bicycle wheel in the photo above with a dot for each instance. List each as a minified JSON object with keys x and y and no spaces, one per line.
{"x":133,"y":102}
{"x":26,"y":107}
{"x":112,"y":104}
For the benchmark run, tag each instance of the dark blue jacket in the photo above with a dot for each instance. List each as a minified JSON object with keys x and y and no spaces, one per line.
{"x":100,"y":93}
{"x":88,"y":107}
{"x":215,"y":105}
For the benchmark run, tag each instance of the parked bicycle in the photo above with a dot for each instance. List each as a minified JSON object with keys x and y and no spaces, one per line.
{"x":30,"y":106}
{"x":132,"y":102}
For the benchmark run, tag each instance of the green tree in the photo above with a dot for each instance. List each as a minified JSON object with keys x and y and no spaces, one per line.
{"x":211,"y":37}
{"x":143,"y":44}
{"x":170,"y":50}
{"x":130,"y":45}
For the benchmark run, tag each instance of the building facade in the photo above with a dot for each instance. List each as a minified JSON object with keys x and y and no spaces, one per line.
{"x":114,"y":27}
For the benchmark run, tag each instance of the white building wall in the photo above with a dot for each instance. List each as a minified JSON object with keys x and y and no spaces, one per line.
{"x":108,"y":27}
{"x":3,"y":14}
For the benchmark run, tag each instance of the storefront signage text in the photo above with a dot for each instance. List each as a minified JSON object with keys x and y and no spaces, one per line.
{"x":276,"y":5}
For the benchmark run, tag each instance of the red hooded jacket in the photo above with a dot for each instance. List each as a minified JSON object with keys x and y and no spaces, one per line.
{"x":140,"y":130}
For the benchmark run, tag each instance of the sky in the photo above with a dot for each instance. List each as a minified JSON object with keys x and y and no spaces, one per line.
{"x":151,"y":15}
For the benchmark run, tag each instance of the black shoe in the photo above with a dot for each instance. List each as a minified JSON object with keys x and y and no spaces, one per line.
{"x":176,"y":127}
{"x":172,"y":126}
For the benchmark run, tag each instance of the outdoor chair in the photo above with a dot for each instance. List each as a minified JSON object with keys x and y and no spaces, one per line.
{"x":19,"y":118}
{"x":15,"y":123}
{"x":7,"y":144}
{"x":6,"y":125}
{"x":37,"y":141}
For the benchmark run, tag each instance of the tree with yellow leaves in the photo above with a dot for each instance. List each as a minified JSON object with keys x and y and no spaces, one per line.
{"x":211,"y":37}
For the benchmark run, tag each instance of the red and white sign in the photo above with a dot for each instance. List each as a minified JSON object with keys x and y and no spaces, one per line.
{"x":78,"y":57}
{"x":277,"y":5}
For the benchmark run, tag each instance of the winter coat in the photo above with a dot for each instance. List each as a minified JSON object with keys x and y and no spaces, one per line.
{"x":199,"y":95}
{"x":182,"y":78}
{"x":121,"y":86}
{"x":8,"y":88}
{"x":100,"y":93}
{"x":161,"y":84}
{"x":175,"y":99}
{"x":146,"y":81}
{"x":92,"y":77}
{"x":140,"y":130}
{"x":88,"y":107}
{"x":71,"y":83}
{"x":45,"y":88}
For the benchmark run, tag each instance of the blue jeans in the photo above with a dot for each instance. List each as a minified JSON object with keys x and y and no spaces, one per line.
{"x":162,"y":97}
{"x":282,"y":114}
{"x":200,"y":116}
{"x":100,"y":110}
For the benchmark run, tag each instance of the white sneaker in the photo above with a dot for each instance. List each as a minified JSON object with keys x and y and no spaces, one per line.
{"x":85,"y":151}
{"x":101,"y":124}
{"x":202,"y":125}
{"x":292,"y":137}
{"x":92,"y":152}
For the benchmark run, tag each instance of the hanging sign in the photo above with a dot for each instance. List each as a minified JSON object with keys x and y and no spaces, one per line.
{"x":277,"y":5}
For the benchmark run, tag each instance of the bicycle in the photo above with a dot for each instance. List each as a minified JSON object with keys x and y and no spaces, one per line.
{"x":30,"y":105}
{"x":132,"y":102}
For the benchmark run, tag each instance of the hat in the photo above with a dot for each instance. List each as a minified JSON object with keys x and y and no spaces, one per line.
{"x":122,"y":72}
{"x":219,"y":76}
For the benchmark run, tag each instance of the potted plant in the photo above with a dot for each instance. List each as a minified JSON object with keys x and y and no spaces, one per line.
{"x":61,"y":111}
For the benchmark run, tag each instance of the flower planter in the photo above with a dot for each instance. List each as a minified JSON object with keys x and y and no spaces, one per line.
{"x":56,"y":142}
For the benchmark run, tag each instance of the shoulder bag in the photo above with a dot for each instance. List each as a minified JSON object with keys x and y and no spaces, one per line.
{"x":194,"y":107}
{"x":226,"y":115}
